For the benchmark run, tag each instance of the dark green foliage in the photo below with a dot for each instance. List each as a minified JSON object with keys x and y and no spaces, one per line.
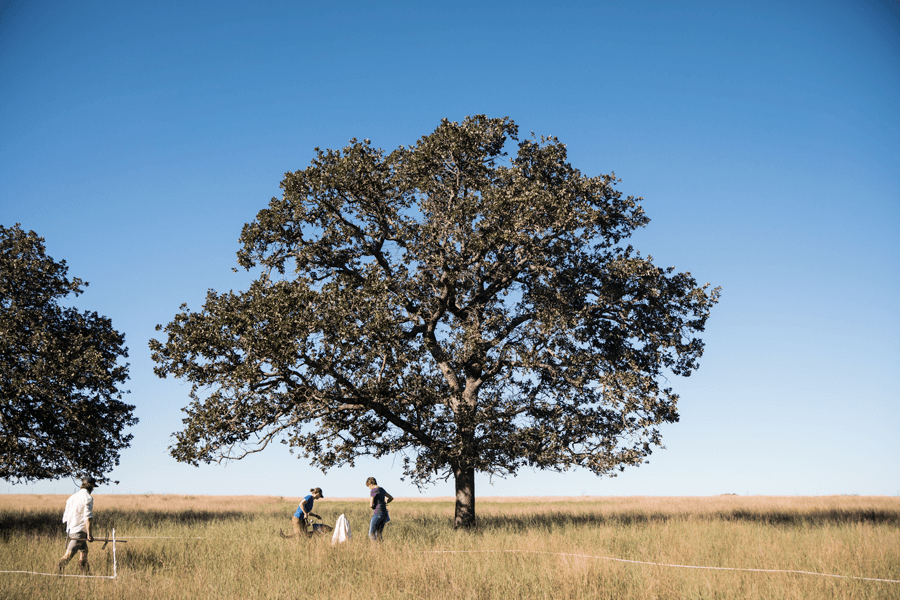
{"x":60,"y":407}
{"x":470,"y":311}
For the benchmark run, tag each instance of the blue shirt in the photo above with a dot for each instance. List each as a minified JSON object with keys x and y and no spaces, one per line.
{"x":306,"y":504}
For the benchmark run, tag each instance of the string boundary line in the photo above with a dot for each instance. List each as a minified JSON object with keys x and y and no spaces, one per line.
{"x":63,"y":575}
{"x":642,"y":562}
{"x":113,"y":576}
{"x":625,"y":560}
{"x":138,"y":537}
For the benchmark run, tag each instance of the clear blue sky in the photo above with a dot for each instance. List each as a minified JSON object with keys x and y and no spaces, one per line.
{"x":139,"y":137}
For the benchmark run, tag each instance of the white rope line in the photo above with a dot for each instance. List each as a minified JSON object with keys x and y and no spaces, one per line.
{"x":625,"y":560}
{"x":641,"y":562}
{"x":113,"y":576}
{"x":137,"y":537}
{"x":64,"y":575}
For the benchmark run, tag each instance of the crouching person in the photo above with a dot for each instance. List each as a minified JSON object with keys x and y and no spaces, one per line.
{"x":78,"y":518}
{"x":300,"y":521}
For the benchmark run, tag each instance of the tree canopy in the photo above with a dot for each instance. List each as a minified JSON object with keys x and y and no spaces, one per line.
{"x":61,"y":412}
{"x":468,"y":310}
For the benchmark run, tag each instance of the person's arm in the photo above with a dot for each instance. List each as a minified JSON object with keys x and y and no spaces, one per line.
{"x":89,"y":518}
{"x":387,"y":498}
{"x":303,"y":509}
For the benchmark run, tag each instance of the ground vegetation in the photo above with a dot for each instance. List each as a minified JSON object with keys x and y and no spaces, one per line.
{"x":228,"y":547}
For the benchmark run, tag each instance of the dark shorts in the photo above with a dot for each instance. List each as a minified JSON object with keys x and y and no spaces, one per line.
{"x":77,"y":542}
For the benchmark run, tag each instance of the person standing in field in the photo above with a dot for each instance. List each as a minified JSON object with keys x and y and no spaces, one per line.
{"x":379,"y":501}
{"x":78,"y":518}
{"x":300,"y":520}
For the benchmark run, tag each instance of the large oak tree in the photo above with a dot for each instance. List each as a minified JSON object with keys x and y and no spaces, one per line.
{"x":61,"y":412}
{"x":468,"y":310}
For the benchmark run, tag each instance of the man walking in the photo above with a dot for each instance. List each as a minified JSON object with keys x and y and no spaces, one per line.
{"x":78,"y":517}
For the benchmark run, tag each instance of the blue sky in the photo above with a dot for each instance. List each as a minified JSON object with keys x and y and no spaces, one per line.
{"x":138,"y":138}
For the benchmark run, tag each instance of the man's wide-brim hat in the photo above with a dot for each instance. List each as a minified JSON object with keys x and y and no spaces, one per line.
{"x":88,"y":482}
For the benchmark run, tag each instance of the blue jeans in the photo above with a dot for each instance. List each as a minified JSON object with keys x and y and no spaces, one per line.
{"x":376,"y":525}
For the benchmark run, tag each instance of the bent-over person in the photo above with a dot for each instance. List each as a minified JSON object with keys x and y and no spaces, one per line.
{"x":300,"y":520}
{"x":78,"y":518}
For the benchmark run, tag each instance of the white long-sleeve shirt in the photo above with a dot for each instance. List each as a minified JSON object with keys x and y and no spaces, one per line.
{"x":79,"y":508}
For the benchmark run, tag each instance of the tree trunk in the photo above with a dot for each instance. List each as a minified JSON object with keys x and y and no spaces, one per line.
{"x":465,"y":497}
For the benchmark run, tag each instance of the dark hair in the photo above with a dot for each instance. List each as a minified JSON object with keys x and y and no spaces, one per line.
{"x":371,"y":481}
{"x":317,"y":491}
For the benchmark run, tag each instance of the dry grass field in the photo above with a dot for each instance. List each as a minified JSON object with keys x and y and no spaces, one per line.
{"x":523,"y":548}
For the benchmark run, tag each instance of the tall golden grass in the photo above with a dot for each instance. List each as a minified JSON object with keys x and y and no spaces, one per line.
{"x":523,"y":548}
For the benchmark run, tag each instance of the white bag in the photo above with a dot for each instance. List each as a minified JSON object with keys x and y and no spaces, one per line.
{"x":341,"y":531}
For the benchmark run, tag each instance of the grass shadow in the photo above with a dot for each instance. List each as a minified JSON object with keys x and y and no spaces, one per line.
{"x":549,"y":522}
{"x":142,"y":559}
{"x":18,"y":524}
{"x":815,"y":517}
{"x":49,"y":523}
